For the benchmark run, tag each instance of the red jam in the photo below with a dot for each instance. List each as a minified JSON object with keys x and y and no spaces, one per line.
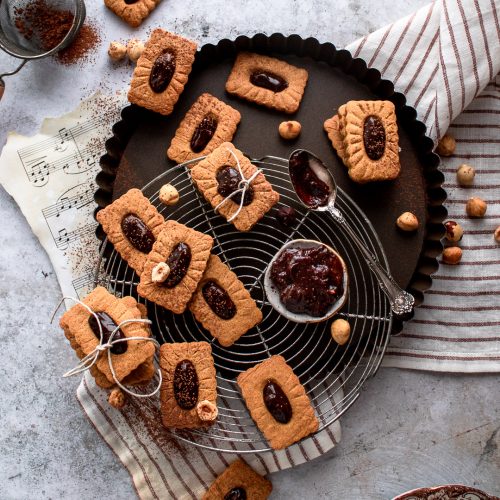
{"x":310,"y":280}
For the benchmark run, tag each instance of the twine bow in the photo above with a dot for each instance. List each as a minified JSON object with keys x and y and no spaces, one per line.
{"x":87,"y":362}
{"x":243,"y":185}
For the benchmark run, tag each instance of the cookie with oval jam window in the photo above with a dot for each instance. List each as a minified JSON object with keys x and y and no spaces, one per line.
{"x":267,"y":81}
{"x":208,"y":123}
{"x":186,"y":253}
{"x":188,"y":381}
{"x":162,"y":71}
{"x":223,"y":305}
{"x":132,"y":12}
{"x":277,"y":402}
{"x":238,"y":482}
{"x":218,"y":176}
{"x":132,"y":225}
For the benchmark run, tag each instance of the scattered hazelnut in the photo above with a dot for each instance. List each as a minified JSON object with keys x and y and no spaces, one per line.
{"x":476,"y":207}
{"x":340,"y":330}
{"x":454,"y":231}
{"x":446,"y":146}
{"x":207,"y":411}
{"x":407,"y":222}
{"x":117,"y":398}
{"x":160,"y":272}
{"x":465,"y":175}
{"x":169,"y":195}
{"x":497,"y":234}
{"x":290,"y":129}
{"x":135,"y":48}
{"x":117,"y":51}
{"x":452,"y":255}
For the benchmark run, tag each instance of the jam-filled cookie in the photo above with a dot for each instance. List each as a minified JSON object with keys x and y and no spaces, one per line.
{"x":188,"y":384}
{"x":132,"y":225}
{"x":277,"y":402}
{"x":223,"y":305}
{"x":207,"y":124}
{"x":162,"y":71}
{"x":186,"y":252}
{"x":267,"y":81}
{"x":133,"y":360}
{"x":132,"y":12}
{"x":218,"y":175}
{"x":239,"y":481}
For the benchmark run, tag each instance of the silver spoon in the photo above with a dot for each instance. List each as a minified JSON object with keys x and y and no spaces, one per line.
{"x":322,"y":199}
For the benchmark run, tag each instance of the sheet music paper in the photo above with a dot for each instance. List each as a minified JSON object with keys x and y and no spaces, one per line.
{"x":52,"y":178}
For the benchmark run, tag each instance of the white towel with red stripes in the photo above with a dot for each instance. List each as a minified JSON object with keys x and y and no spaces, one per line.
{"x":445,"y":58}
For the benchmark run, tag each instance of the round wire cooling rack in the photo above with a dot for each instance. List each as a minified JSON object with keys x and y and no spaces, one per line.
{"x":332,"y":375}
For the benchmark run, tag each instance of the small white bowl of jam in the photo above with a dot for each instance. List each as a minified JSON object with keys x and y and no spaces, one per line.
{"x":306,"y":281}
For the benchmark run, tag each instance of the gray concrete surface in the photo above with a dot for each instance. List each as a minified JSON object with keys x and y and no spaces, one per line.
{"x":408,"y":429}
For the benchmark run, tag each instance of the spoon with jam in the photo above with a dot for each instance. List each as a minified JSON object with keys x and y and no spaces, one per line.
{"x":316,"y":189}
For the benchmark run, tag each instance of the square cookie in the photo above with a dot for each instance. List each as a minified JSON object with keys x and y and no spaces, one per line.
{"x":132,"y":13}
{"x":131,"y":224}
{"x":82,"y":331}
{"x":239,"y":476}
{"x":208,"y":123}
{"x":162,"y":71}
{"x":267,"y":81}
{"x":295,"y":425}
{"x":186,"y":251}
{"x":207,"y":173}
{"x":232,"y":311}
{"x":188,"y":380}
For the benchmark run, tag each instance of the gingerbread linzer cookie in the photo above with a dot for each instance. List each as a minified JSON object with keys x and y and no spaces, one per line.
{"x":189,"y":388}
{"x":132,"y":12}
{"x":218,"y":175}
{"x":267,"y":81}
{"x":239,"y":481}
{"x":186,"y":252}
{"x":223,"y":305}
{"x":277,"y":402}
{"x":132,"y":225}
{"x":162,"y":71}
{"x":365,"y":136}
{"x":207,"y":124}
{"x":133,"y":360}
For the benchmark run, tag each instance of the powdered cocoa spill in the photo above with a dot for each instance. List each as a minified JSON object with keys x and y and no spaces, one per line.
{"x":86,"y":40}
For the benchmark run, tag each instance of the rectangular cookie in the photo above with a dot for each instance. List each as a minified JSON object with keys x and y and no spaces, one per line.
{"x":239,"y":476}
{"x":186,"y":251}
{"x":162,"y":71}
{"x":133,"y":239}
{"x":208,"y":123}
{"x":132,"y":12}
{"x":188,"y":381}
{"x":82,"y":331}
{"x":267,"y":81}
{"x":237,"y":313}
{"x":204,"y":175}
{"x":299,"y":423}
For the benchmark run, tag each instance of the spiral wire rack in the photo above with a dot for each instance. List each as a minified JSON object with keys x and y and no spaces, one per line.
{"x":332,"y":375}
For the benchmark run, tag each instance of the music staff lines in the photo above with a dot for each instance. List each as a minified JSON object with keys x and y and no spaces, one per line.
{"x":65,"y":237}
{"x":78,"y":200}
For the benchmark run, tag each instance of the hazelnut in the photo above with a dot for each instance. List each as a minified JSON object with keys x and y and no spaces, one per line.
{"x":452,"y":255}
{"x":135,"y":48}
{"x":117,"y":398}
{"x":497,"y":234}
{"x":340,"y":330}
{"x":290,"y":129}
{"x":446,"y":146}
{"x":207,"y":411}
{"x":476,"y":207}
{"x":407,"y":222}
{"x":168,"y":194}
{"x":117,"y":51}
{"x":160,"y":272}
{"x":465,"y":175}
{"x":454,"y":231}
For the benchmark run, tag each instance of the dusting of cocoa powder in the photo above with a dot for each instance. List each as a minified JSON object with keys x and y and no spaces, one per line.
{"x":86,"y":40}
